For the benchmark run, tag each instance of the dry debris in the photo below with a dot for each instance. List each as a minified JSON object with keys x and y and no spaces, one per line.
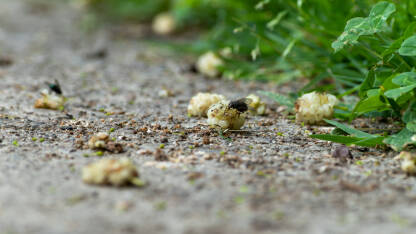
{"x":5,"y":61}
{"x":341,"y":152}
{"x":116,"y":172}
{"x":165,"y":92}
{"x":102,"y":141}
{"x":160,"y":155}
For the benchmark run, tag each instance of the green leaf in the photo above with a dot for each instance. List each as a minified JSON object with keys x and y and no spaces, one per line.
{"x":336,"y":138}
{"x":411,"y":126}
{"x":408,"y":47}
{"x":356,"y":27}
{"x":369,"y":142}
{"x":272,"y":24}
{"x":404,"y":79}
{"x":349,"y":130}
{"x":282,"y":100}
{"x":379,"y":15}
{"x":368,"y":83}
{"x":349,"y":140}
{"x":400,"y":140}
{"x":353,"y":30}
{"x":396,"y":93}
{"x":370,"y":104}
{"x":396,"y":108}
{"x":410,"y":114}
{"x":397,"y":43}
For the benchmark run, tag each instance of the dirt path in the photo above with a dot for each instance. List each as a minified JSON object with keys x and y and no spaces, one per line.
{"x":273,"y":179}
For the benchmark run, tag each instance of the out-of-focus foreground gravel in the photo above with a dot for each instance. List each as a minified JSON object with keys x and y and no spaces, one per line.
{"x":271,"y":178}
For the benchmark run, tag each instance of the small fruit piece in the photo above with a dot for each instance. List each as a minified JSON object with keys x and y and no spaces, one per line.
{"x":102,"y":141}
{"x":208,"y":64}
{"x":220,"y":115}
{"x":164,"y":24}
{"x":200,"y":103}
{"x":117,"y":172}
{"x":313,"y":108}
{"x":50,"y":101}
{"x":256,"y":107}
{"x":408,"y":164}
{"x":98,"y":141}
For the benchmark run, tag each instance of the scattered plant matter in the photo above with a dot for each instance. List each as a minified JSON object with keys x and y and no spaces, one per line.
{"x":117,"y":172}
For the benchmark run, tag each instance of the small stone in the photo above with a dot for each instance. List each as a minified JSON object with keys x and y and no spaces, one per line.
{"x":341,"y":152}
{"x":160,"y":155}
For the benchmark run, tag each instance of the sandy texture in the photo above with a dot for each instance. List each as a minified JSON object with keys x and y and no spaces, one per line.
{"x":270,"y":179}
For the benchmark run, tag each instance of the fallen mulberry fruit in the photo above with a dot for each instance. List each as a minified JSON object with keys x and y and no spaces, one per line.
{"x":117,"y":172}
{"x":50,"y":101}
{"x":164,"y":24}
{"x":200,"y":103}
{"x":227,"y":115}
{"x":313,"y":108}
{"x":208,"y":64}
{"x":256,"y":106}
{"x":408,"y":164}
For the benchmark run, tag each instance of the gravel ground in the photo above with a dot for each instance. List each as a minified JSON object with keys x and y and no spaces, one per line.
{"x":270,"y":178}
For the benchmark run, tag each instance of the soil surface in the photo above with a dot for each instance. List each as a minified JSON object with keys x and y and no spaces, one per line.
{"x":270,"y":178}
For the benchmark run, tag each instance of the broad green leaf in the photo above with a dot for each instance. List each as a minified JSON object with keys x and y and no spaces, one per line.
{"x":411,"y":126}
{"x":379,"y":15}
{"x":400,"y":140}
{"x":337,"y":138}
{"x":349,"y":130}
{"x":353,"y":30}
{"x":408,"y":47}
{"x":356,"y":27}
{"x":410,"y":114}
{"x":282,"y":100}
{"x":373,"y":92}
{"x":406,"y":78}
{"x":410,"y":30}
{"x":370,"y":104}
{"x":396,"y":93}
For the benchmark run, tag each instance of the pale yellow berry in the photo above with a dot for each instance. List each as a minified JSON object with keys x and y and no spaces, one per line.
{"x":312,"y":108}
{"x":408,"y":164}
{"x":256,"y":106}
{"x":222,"y":117}
{"x":200,"y":103}
{"x":164,"y":24}
{"x":208,"y":64}
{"x":115,"y":172}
